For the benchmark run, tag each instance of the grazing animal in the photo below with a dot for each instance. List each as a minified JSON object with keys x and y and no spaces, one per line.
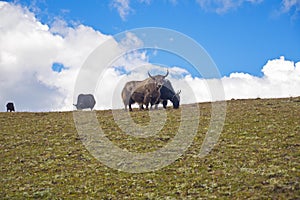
{"x":127,"y":92}
{"x":10,"y":107}
{"x":167,"y":93}
{"x":85,"y":101}
{"x":145,"y":95}
{"x":143,"y":92}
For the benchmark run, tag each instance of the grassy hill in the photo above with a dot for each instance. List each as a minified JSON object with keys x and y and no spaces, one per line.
{"x":257,"y":156}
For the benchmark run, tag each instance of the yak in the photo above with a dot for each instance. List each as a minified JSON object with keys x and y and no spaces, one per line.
{"x":10,"y":107}
{"x":85,"y":101}
{"x":127,"y":92}
{"x":167,"y":93}
{"x":143,"y":92}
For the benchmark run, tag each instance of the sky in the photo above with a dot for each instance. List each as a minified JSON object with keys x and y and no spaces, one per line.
{"x":255,"y":45}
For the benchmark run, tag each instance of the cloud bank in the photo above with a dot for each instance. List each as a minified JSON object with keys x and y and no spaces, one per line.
{"x":39,"y":64}
{"x":281,"y":78}
{"x":28,"y":50}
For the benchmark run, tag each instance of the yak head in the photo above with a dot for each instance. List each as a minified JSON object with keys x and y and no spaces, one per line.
{"x":176,"y":100}
{"x":158,"y":79}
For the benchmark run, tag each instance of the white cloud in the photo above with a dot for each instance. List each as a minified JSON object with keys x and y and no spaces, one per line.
{"x":28,"y":49}
{"x":123,"y":7}
{"x":281,"y":78}
{"x":287,"y":5}
{"x":131,"y":41}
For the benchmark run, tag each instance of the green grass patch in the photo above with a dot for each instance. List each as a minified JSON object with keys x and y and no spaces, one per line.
{"x":257,"y":156}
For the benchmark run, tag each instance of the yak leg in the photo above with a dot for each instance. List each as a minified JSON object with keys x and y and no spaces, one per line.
{"x":165,"y":102}
{"x":125,"y":105}
{"x":147,"y":106}
{"x":141,"y":106}
{"x":131,"y":101}
{"x":126,"y":102}
{"x":155,"y":105}
{"x":157,"y":101}
{"x":153,"y":102}
{"x":147,"y":100}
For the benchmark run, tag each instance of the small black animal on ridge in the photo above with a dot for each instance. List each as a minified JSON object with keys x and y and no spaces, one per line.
{"x":85,"y":101}
{"x":10,"y":107}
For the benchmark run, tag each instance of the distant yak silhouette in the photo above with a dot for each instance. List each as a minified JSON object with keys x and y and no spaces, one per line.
{"x":85,"y":101}
{"x":10,"y":107}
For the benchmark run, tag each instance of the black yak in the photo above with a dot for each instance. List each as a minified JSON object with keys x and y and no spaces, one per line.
{"x":167,"y":93}
{"x":85,"y":101}
{"x":10,"y":107}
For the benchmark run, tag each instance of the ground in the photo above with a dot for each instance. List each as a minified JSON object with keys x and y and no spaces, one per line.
{"x":257,"y":156}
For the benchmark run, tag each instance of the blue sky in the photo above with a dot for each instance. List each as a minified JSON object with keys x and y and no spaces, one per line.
{"x":241,"y":38}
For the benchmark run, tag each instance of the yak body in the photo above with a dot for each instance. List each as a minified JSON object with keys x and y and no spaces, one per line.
{"x":141,"y":92}
{"x":10,"y":107}
{"x":85,"y":101}
{"x":145,"y":95}
{"x":127,"y":92}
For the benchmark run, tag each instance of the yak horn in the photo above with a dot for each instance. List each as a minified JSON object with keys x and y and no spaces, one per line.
{"x":166,"y":74}
{"x":150,"y":75}
{"x":179,"y":92}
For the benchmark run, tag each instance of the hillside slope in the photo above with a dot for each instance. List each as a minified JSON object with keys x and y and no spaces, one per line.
{"x":257,"y":156}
